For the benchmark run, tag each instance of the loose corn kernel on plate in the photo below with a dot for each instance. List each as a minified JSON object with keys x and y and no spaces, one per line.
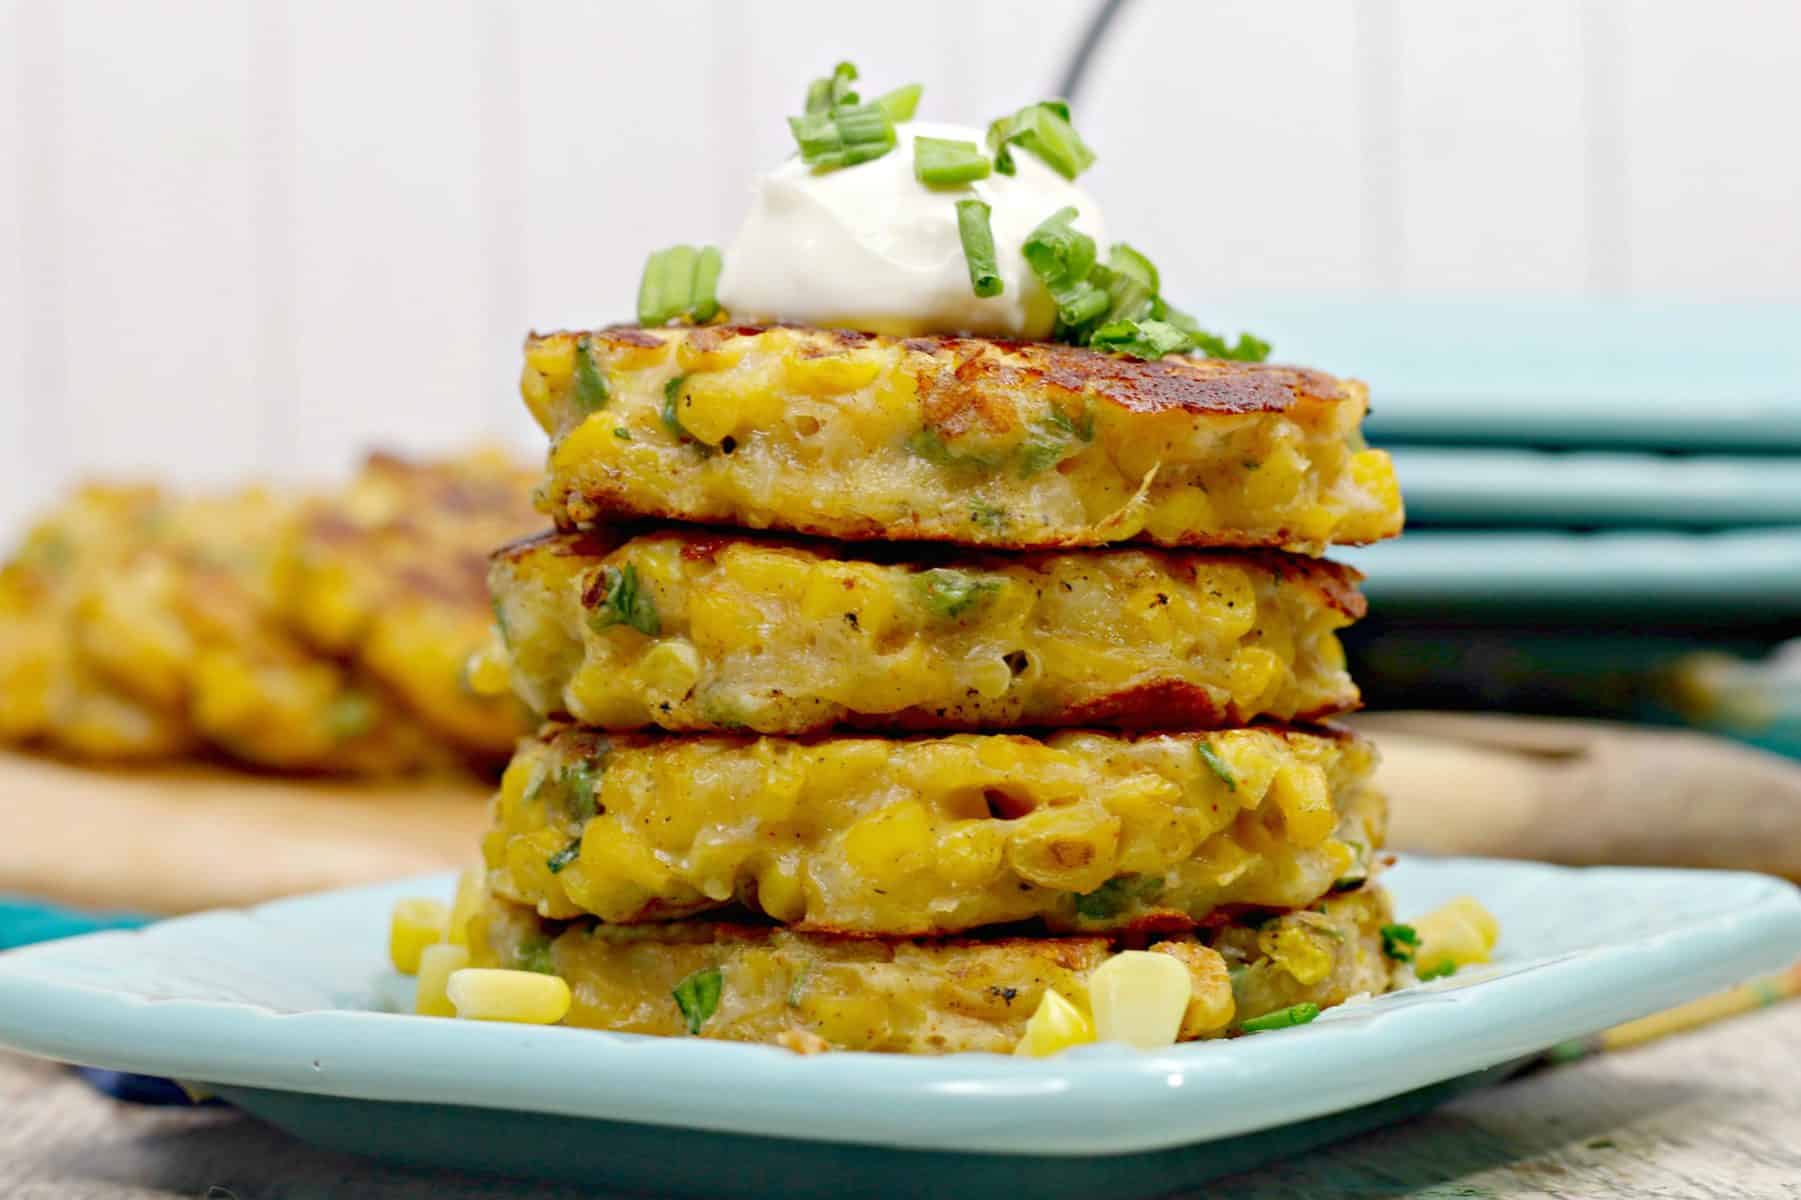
{"x":293,"y":1011}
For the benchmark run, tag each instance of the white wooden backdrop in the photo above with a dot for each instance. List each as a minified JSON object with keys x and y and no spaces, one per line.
{"x":259,"y":236}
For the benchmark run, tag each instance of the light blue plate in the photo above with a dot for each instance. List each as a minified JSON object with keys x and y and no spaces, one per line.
{"x":286,"y":1009}
{"x":1544,"y":371}
{"x":1750,"y":575}
{"x":1470,"y":486}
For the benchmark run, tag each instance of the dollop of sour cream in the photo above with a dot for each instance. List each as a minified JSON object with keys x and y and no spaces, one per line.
{"x":869,"y":247}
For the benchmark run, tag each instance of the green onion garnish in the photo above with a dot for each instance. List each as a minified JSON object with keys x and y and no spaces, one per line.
{"x":1043,"y":129}
{"x":834,"y":91}
{"x":579,"y":783}
{"x":901,"y":103}
{"x":1399,"y":942}
{"x":1443,"y":970}
{"x":843,"y":137}
{"x":623,"y":601}
{"x":698,"y":996}
{"x":1140,"y":339}
{"x":565,"y":856}
{"x":978,"y":247}
{"x":1282,"y":1018}
{"x":1063,"y":258}
{"x":940,"y":162}
{"x":705,"y":304}
{"x":590,"y":387}
{"x":679,"y":282}
{"x":1116,"y":895}
{"x":1216,"y":764}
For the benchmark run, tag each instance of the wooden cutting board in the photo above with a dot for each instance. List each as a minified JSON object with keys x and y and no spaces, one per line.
{"x":186,"y":838}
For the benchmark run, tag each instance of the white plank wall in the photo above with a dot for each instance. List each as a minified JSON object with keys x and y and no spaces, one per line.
{"x":243,"y":236}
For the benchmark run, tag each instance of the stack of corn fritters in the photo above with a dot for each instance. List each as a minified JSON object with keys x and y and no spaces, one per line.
{"x":321,"y":632}
{"x":1018,"y":677}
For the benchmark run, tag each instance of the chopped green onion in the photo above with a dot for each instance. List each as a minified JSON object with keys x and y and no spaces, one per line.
{"x":1216,"y":764}
{"x":565,"y":856}
{"x":1116,"y":895}
{"x":1043,"y":129}
{"x":950,"y":594}
{"x":1399,"y":942}
{"x":843,"y":137}
{"x":672,"y":397}
{"x":623,"y":602}
{"x":1443,"y":970}
{"x":1053,"y":438}
{"x":679,"y":282}
{"x":698,"y":996}
{"x":1063,"y":258}
{"x":1248,"y":348}
{"x":823,"y":95}
{"x":590,"y":386}
{"x":706,"y":284}
{"x":978,"y":248}
{"x":940,"y":162}
{"x":579,"y":783}
{"x":1141,"y":339}
{"x":534,"y":954}
{"x":1126,"y":261}
{"x":901,"y":103}
{"x":1282,"y":1018}
{"x":350,"y":715}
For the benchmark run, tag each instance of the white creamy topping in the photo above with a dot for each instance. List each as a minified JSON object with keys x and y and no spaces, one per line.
{"x":869,"y":247}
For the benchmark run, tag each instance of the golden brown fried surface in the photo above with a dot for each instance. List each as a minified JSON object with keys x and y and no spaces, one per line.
{"x":689,"y":629}
{"x":810,"y":991}
{"x":389,"y":573}
{"x":989,"y":443}
{"x":932,"y":835}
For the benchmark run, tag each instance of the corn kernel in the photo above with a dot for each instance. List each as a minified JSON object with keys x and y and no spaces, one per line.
{"x":1300,"y":791}
{"x":496,"y":994}
{"x":708,"y":408}
{"x":670,"y":669}
{"x":467,"y":903}
{"x":1054,"y":1027}
{"x":489,"y":670}
{"x":1459,"y":934}
{"x":415,"y":924}
{"x":830,"y":374}
{"x":1139,"y":998}
{"x":435,"y":968}
{"x":1298,"y":951}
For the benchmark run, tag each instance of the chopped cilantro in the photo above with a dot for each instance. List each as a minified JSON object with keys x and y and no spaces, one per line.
{"x":1216,"y":764}
{"x":625,"y":602}
{"x":1400,"y":941}
{"x":698,"y":996}
{"x":950,"y":594}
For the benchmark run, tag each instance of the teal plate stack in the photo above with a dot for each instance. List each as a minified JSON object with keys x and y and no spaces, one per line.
{"x":1603,"y":503}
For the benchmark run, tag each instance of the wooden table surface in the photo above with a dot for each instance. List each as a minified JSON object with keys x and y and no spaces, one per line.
{"x":1711,"y":1113}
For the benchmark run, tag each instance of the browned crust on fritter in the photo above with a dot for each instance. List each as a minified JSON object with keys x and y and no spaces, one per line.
{"x":1333,"y":583}
{"x":962,"y":369}
{"x":590,"y":741}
